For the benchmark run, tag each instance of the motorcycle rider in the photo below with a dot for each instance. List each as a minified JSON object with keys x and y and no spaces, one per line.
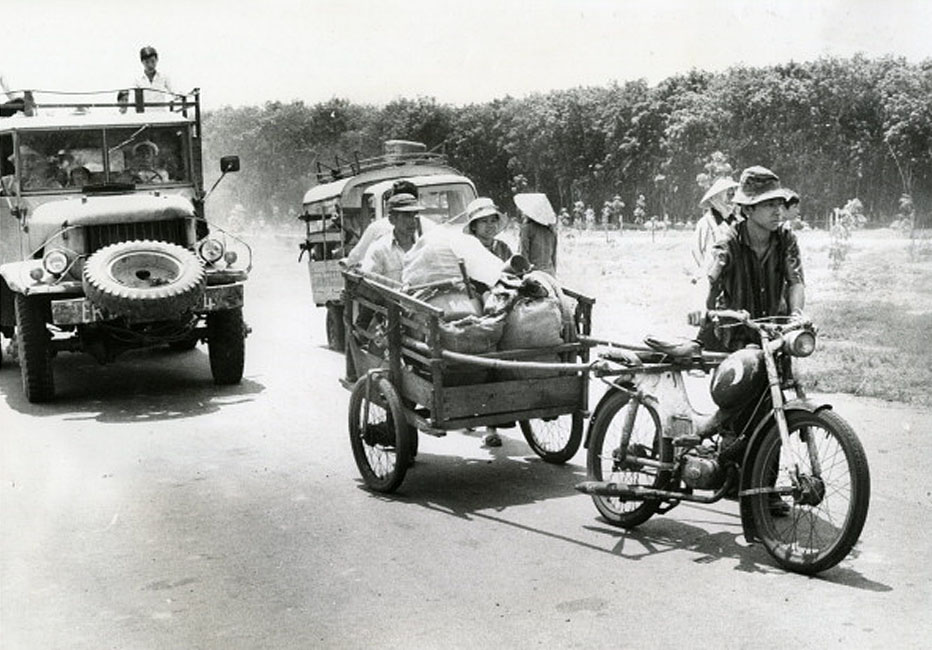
{"x":755,"y":266}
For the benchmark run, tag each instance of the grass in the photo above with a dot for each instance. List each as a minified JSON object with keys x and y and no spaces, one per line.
{"x":874,"y":314}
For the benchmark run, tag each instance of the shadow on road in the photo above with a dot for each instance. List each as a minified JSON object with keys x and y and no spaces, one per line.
{"x":511,"y":475}
{"x":146,"y":385}
{"x":663,"y":535}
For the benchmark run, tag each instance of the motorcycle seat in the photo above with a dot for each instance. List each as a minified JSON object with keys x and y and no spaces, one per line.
{"x":680,"y":348}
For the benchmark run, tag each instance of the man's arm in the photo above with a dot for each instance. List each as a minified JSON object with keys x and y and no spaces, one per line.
{"x":796,"y":298}
{"x":795,"y":278}
{"x":6,"y":89}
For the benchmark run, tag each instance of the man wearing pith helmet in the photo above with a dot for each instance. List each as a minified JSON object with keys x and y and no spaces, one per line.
{"x":386,"y":255}
{"x":756,"y":266}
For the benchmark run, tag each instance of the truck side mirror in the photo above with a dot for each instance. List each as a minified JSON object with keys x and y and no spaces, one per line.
{"x":229,"y":164}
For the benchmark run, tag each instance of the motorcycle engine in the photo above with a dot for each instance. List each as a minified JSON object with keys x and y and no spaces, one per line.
{"x":701,"y":469}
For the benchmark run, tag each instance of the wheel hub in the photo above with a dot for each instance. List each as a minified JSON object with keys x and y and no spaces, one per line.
{"x":811,"y":490}
{"x":144,"y":270}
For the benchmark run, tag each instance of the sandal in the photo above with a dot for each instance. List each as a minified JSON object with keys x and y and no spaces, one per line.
{"x":492,"y":439}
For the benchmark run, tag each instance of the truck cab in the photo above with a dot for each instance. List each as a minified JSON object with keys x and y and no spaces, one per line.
{"x":104,"y":246}
{"x":345,"y":212}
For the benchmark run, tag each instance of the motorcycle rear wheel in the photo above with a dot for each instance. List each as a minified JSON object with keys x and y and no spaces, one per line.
{"x":812,"y":538}
{"x":602,"y":465}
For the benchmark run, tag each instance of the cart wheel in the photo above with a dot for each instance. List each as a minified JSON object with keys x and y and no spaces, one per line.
{"x":381,"y":438}
{"x":555,"y":440}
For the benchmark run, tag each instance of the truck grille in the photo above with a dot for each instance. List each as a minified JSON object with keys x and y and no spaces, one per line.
{"x":172,"y":232}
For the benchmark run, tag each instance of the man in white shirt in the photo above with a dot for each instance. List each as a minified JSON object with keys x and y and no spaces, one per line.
{"x":385,"y":256}
{"x":156,"y":86}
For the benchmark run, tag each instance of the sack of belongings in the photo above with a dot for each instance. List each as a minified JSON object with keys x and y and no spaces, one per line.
{"x":454,"y":299}
{"x":472,"y":334}
{"x":534,"y":321}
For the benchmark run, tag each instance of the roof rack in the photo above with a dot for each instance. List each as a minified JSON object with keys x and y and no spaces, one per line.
{"x":394,"y":153}
{"x":29,"y":105}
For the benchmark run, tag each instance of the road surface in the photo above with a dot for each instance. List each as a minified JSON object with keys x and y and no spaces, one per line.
{"x":147,"y":508}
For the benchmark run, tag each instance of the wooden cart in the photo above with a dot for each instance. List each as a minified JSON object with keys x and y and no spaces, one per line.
{"x":404,"y":383}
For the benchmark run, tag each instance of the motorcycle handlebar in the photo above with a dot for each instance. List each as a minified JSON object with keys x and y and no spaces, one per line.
{"x":795,"y":322}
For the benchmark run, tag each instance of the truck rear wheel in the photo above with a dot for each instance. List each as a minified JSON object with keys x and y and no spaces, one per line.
{"x":34,"y":348}
{"x":226,"y":345}
{"x":336,"y":332}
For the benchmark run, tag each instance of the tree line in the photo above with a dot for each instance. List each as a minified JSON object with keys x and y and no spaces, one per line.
{"x":834,"y":129}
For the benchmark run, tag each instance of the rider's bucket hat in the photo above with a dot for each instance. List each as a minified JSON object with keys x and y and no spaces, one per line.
{"x":759,"y":184}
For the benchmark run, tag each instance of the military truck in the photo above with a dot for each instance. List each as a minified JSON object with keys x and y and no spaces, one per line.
{"x":104,"y":246}
{"x":351,"y":195}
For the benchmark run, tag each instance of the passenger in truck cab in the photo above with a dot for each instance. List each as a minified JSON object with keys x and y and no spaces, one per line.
{"x":80,"y":176}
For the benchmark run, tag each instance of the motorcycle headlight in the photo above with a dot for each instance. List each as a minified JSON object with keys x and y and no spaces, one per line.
{"x":800,"y":343}
{"x":55,"y":262}
{"x":210,"y":250}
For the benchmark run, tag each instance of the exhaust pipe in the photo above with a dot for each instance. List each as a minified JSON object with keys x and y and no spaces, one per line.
{"x":639,"y":492}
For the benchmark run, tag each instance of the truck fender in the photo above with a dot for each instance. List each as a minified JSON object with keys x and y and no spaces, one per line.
{"x":799,"y":405}
{"x":16,"y":275}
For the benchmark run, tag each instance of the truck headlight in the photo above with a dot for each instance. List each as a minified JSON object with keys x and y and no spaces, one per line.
{"x":55,"y":262}
{"x":210,"y":250}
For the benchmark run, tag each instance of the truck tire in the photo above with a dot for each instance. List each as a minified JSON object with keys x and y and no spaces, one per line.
{"x":144,"y":280}
{"x":34,"y":345}
{"x":226,"y":345}
{"x":336,"y":331}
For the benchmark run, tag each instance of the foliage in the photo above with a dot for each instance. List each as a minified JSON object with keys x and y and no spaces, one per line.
{"x":844,"y":221}
{"x":831,"y":128}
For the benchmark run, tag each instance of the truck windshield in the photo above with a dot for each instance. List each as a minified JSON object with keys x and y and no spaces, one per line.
{"x":443,"y":202}
{"x":71,"y":159}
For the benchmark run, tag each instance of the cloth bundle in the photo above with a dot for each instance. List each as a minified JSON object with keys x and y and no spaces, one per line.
{"x":437,"y":254}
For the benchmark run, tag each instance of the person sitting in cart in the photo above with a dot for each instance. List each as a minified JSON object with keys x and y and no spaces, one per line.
{"x":377,"y":228}
{"x":484,"y":221}
{"x":385,"y":256}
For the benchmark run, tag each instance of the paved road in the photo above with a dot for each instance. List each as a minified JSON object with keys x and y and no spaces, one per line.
{"x":147,"y":508}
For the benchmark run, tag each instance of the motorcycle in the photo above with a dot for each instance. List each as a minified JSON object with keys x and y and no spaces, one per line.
{"x":796,"y":467}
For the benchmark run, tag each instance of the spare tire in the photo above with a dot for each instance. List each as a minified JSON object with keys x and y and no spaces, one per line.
{"x":144,"y":280}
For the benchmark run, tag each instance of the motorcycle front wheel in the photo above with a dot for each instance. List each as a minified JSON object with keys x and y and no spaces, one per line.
{"x":603,"y":464}
{"x":829,"y":506}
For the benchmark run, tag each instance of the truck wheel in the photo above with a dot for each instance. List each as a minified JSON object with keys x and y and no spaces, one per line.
{"x":226,"y":345}
{"x":336,"y":332}
{"x":144,"y":280}
{"x":35,"y":348}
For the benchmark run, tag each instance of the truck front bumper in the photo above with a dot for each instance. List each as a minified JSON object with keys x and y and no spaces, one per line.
{"x":77,"y":311}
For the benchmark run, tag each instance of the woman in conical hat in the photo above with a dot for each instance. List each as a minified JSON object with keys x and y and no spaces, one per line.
{"x":538,"y":240}
{"x":719,"y":214}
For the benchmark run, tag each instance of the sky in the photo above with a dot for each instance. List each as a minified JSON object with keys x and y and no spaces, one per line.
{"x":459,"y":52}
